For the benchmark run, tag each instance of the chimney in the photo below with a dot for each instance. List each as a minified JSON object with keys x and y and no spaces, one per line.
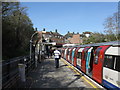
{"x":56,"y":30}
{"x":43,"y":29}
{"x":73,"y":32}
{"x":68,"y":32}
{"x":50,"y":32}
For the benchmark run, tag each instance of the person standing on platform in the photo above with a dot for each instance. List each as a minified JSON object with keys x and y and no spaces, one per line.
{"x":51,"y":52}
{"x":57,"y":57}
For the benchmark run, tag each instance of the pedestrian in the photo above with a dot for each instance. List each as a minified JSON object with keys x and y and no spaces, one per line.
{"x":57,"y":57}
{"x":51,"y":52}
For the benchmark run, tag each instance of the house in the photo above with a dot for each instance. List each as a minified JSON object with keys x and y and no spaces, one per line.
{"x":87,"y":34}
{"x":68,"y":36}
{"x":76,"y":39}
{"x":52,"y":37}
{"x":73,"y":38}
{"x":56,"y":37}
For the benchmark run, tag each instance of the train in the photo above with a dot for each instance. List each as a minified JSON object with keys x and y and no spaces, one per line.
{"x":99,"y":61}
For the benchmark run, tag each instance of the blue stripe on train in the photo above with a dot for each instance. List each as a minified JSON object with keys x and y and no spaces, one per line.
{"x":109,"y":85}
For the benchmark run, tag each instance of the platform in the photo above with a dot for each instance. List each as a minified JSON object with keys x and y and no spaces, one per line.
{"x":47,"y":76}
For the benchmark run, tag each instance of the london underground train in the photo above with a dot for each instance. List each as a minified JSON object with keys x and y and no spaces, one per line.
{"x":100,"y":61}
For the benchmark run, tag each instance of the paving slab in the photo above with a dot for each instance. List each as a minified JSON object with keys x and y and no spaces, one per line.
{"x":47,"y":76}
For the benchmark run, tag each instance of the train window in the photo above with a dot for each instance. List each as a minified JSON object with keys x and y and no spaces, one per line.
{"x":117,"y":67}
{"x":109,"y":62}
{"x":79,"y":55}
{"x":97,"y":55}
{"x":112,"y":62}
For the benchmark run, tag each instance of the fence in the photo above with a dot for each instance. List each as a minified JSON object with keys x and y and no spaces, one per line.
{"x":10,"y":70}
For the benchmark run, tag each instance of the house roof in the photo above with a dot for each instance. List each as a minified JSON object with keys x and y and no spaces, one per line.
{"x":68,"y":35}
{"x":87,"y":32}
{"x":56,"y":33}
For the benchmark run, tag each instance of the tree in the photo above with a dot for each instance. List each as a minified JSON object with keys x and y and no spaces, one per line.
{"x":17,"y":29}
{"x":111,"y":27}
{"x":94,"y":38}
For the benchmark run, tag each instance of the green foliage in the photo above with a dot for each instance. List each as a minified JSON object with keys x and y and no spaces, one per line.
{"x":17,"y":29}
{"x":94,"y":38}
{"x":110,"y":37}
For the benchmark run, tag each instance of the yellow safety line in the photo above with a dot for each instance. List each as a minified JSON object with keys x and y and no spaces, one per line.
{"x":80,"y":74}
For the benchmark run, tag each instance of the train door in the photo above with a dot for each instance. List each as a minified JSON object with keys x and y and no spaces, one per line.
{"x":69,"y":54}
{"x":75,"y":56}
{"x":88,"y":61}
{"x":111,"y":68}
{"x":98,"y":63}
{"x":65,"y":53}
{"x":79,"y":57}
{"x":84,"y":57}
{"x":73,"y":53}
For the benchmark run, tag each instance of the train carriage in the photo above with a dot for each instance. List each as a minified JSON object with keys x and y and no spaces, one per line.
{"x":111,"y":68}
{"x":98,"y":63}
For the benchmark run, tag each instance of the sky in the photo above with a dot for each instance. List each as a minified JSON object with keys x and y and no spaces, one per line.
{"x":70,"y":16}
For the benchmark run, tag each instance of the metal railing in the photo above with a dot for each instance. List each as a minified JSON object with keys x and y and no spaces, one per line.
{"x":10,"y":70}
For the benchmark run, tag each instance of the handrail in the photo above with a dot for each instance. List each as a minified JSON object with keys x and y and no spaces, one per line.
{"x":10,"y":69}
